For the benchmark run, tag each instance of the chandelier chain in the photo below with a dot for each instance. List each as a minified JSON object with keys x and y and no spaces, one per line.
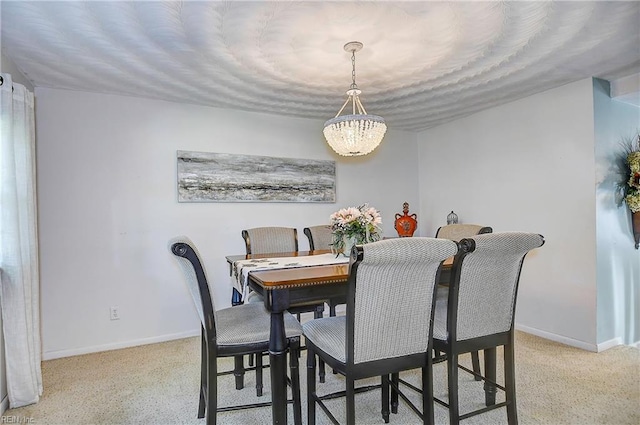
{"x":353,"y":70}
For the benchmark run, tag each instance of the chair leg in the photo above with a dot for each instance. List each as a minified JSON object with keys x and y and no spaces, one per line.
{"x":475,"y":361}
{"x":238,"y":371}
{"x":490,"y":374}
{"x":259,"y":374}
{"x":212,"y":388}
{"x":318,"y":314}
{"x":332,"y":309}
{"x":510,"y":383}
{"x":295,"y":384}
{"x":452,"y":378}
{"x":395,"y":378}
{"x":384,"y":381}
{"x":203,"y":377}
{"x":311,"y":387}
{"x":351,"y":401}
{"x":332,"y":313}
{"x":427,"y":393}
{"x":250,"y":359}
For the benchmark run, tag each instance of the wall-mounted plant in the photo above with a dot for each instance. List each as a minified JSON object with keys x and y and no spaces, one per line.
{"x":629,"y":186}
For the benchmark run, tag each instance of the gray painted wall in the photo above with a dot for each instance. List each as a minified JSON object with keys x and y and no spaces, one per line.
{"x":526,"y":166}
{"x":108,"y":205}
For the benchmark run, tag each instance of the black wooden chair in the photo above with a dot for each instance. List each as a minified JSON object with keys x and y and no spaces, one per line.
{"x":456,"y":232}
{"x":320,"y":237}
{"x":233,"y":331}
{"x":477,"y":313}
{"x":387,"y":327}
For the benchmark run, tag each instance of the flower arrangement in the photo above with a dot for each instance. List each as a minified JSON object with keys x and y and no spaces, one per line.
{"x":632,"y":187}
{"x":355,"y":226}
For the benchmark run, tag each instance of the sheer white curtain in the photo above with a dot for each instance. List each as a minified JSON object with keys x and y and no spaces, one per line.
{"x":19,"y":278}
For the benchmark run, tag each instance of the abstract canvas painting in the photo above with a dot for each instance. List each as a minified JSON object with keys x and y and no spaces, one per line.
{"x":222,"y":177}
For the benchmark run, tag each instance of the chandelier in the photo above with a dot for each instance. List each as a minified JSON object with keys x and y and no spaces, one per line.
{"x":357,"y":133}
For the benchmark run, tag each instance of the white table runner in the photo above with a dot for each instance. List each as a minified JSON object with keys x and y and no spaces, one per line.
{"x":240,"y":270}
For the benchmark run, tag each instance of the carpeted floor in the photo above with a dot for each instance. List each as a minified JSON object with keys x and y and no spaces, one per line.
{"x":158,"y":384}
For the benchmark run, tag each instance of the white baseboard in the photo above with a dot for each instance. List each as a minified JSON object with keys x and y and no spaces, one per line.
{"x":4,"y":405}
{"x":636,"y":344}
{"x":50,"y":355}
{"x":609,"y":344}
{"x":558,"y":338}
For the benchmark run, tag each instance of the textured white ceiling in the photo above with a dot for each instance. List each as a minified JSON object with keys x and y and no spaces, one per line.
{"x":423,"y":63}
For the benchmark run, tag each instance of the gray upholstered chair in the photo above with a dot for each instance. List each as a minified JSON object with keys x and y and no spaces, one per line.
{"x":387,"y":327}
{"x":477,"y":313}
{"x":267,"y":240}
{"x":456,"y":232}
{"x":320,"y":237}
{"x":233,"y":331}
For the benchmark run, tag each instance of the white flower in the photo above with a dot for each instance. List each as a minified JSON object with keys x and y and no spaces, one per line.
{"x":361,"y":224}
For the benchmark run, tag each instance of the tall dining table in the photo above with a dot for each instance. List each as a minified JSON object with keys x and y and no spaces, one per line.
{"x":282,"y":288}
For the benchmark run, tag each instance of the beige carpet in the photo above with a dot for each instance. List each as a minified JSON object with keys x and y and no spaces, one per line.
{"x":158,"y":384}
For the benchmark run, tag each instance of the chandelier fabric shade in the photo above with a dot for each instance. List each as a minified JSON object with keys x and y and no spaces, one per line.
{"x":357,"y":133}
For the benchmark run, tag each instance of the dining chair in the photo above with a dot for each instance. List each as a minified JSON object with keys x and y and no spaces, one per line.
{"x":320,"y":237}
{"x":455,"y":232}
{"x":266,"y":240}
{"x":477,"y":313}
{"x":387,"y":326}
{"x":233,"y":331}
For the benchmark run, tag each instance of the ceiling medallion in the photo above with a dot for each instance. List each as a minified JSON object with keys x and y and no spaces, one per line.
{"x":357,"y":133}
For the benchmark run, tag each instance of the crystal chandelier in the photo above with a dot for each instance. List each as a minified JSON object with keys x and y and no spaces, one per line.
{"x":357,"y":133}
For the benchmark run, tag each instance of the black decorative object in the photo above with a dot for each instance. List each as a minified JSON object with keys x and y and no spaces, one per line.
{"x":452,"y":218}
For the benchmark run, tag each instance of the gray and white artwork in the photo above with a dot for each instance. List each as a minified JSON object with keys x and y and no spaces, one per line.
{"x":221,"y":177}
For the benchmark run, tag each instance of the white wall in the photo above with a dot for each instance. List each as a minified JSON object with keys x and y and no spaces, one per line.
{"x":7,"y":66}
{"x":108,"y":205}
{"x":526,"y":166}
{"x":617,"y":259}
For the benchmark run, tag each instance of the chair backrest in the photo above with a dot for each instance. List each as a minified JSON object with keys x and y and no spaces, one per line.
{"x":456,"y":232}
{"x":391,"y":295}
{"x":484,"y":285}
{"x":264,"y":240}
{"x":196,"y":279}
{"x":320,"y":237}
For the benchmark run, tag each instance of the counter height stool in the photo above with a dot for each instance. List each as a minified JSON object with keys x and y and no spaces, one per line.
{"x":455,"y":232}
{"x":387,"y":327}
{"x":478,"y":312}
{"x":233,"y":331}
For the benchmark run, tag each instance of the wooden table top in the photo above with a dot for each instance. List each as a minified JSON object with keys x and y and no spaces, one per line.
{"x":301,"y":276}
{"x":306,"y":276}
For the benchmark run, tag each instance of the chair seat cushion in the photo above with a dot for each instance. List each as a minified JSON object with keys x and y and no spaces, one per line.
{"x":250,"y":324}
{"x":329,"y":335}
{"x":440,"y":314}
{"x":254,"y":297}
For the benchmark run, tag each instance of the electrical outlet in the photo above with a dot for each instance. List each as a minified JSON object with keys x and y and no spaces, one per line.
{"x":115,"y":313}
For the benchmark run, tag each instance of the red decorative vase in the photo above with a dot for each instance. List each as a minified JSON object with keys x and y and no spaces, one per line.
{"x":405,"y":224}
{"x":635,"y":219}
